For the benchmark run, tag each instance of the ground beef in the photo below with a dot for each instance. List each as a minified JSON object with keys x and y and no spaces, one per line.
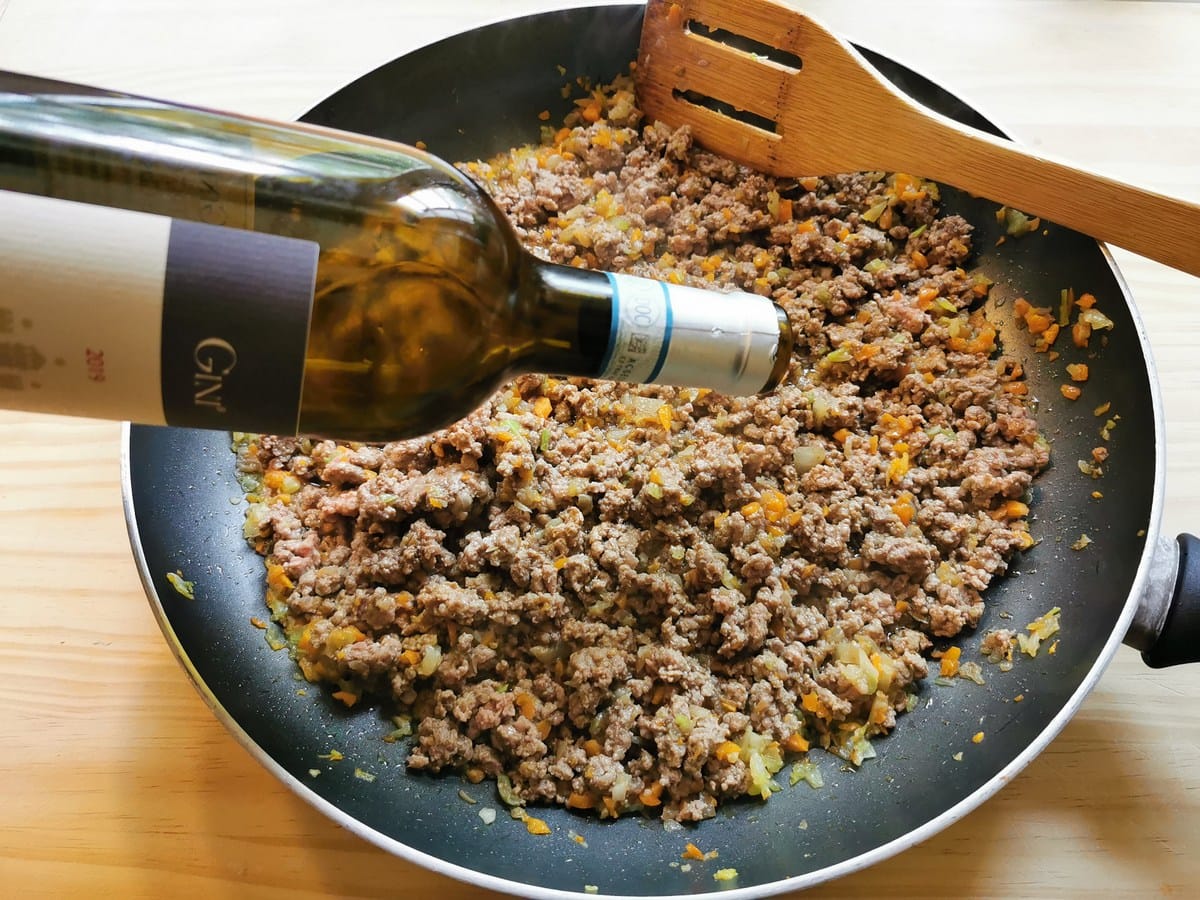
{"x":635,"y":598}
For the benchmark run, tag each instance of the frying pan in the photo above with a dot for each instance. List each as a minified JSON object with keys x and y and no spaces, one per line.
{"x":183,"y":512}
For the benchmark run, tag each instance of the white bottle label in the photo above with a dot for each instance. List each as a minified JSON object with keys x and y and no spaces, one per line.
{"x":126,"y":315}
{"x":641,"y":330}
{"x":673,"y":334}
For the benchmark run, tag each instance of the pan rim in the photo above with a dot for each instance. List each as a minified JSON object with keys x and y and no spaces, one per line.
{"x":838,"y":870}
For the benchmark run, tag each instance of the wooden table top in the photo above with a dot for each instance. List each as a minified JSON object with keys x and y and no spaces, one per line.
{"x":115,"y":779}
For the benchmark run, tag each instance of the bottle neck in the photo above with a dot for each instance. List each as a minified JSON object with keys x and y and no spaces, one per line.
{"x":624,"y":328}
{"x":567,"y":313}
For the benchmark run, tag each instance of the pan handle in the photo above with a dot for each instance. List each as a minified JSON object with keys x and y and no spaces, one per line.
{"x":1166,"y":627}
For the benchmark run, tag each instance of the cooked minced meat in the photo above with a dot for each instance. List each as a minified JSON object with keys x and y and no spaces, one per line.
{"x":639,"y":598}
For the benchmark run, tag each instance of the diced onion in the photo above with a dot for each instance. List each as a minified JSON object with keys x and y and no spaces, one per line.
{"x":1095,"y":318}
{"x":430,"y":660}
{"x":808,"y":457}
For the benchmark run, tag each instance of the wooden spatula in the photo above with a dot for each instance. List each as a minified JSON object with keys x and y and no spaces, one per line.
{"x":797,"y":100}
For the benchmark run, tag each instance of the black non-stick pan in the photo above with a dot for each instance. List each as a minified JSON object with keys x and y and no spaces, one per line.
{"x":473,"y":95}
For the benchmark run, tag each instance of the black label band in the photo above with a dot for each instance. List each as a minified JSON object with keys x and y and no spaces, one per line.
{"x":236,"y":308}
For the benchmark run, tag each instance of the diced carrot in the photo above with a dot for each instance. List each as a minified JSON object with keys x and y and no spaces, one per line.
{"x":1071,"y":392}
{"x":1049,"y":336}
{"x":1019,"y":388}
{"x":866,"y":351}
{"x":949,"y":665}
{"x":810,"y":702}
{"x":536,"y":826}
{"x":1021,"y":307}
{"x":526,"y":704}
{"x":901,"y":607}
{"x":806,"y":226}
{"x":796,"y":743}
{"x":1085,"y":301}
{"x":727,"y":751}
{"x":347,"y":697}
{"x":664,"y":416}
{"x":903,"y":509}
{"x":576,"y":800}
{"x":592,"y":747}
{"x":1081,"y":333}
{"x":542,"y":407}
{"x":652,"y":795}
{"x":774,"y":505}
{"x":412,"y":657}
{"x":919,"y":260}
{"x":1038,"y":321}
{"x":543,"y":728}
{"x":751,"y":509}
{"x":785,"y":210}
{"x":692,"y":852}
{"x":1078,"y":371}
{"x":841,"y":434}
{"x":277,"y":578}
{"x":1010,"y":509}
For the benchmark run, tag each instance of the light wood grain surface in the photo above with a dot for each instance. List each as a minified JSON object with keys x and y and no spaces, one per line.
{"x":115,"y":780}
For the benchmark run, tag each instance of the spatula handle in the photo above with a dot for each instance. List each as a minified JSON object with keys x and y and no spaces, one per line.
{"x":1162,"y":228}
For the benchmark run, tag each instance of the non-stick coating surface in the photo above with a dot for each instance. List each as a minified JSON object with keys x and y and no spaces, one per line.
{"x":474,"y":95}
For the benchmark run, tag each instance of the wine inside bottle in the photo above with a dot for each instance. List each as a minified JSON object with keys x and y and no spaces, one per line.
{"x":180,"y":266}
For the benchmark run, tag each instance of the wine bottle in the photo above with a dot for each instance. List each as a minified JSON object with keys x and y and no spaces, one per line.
{"x":175,"y":265}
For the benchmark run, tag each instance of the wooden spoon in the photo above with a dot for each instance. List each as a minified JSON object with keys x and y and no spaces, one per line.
{"x":807,"y":103}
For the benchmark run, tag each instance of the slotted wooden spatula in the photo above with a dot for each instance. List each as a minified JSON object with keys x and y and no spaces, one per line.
{"x":793,"y":99}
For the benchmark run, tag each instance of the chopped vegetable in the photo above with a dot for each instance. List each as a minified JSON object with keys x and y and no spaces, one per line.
{"x":1066,"y":301}
{"x":504,"y":788}
{"x":1016,"y":223}
{"x":1040,"y":629}
{"x":1095,"y":319}
{"x":535,"y":825}
{"x":949,"y":665}
{"x":977,"y":737}
{"x":1082,"y":543}
{"x":487,"y":814}
{"x":807,"y":771}
{"x":972,"y":672}
{"x":725,"y":875}
{"x":1070,"y":391}
{"x":364,"y":775}
{"x":185,"y":589}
